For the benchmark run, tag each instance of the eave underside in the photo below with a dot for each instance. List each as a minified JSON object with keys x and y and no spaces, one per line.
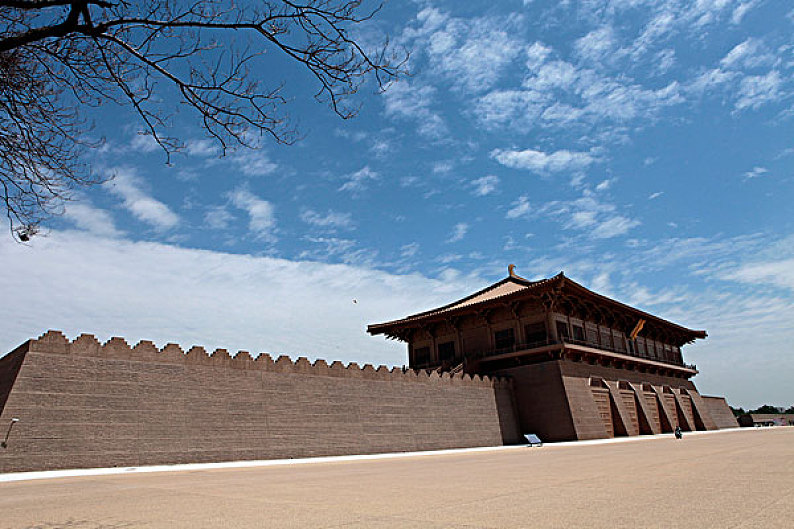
{"x":558,"y":294}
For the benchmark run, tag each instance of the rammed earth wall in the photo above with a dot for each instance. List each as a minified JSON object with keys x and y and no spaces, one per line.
{"x":84,"y":404}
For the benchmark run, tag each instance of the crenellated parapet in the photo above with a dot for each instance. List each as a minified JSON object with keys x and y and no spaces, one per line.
{"x":87,"y":345}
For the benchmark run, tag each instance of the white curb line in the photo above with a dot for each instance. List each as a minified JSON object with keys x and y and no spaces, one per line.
{"x":50,"y":474}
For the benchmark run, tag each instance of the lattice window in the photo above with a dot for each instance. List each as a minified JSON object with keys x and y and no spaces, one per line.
{"x":535,"y":332}
{"x":421,"y":356}
{"x":505,"y":339}
{"x":446,"y":351}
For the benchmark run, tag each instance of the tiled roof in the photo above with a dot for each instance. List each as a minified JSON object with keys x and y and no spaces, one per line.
{"x":506,"y":287}
{"x":515,"y":286}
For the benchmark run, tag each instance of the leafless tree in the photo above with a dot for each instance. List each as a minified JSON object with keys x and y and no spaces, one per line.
{"x":60,"y":56}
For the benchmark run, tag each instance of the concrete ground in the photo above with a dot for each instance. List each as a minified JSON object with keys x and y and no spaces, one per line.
{"x":722,"y":480}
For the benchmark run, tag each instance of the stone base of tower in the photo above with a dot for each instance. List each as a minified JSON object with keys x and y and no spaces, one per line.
{"x":562,"y":400}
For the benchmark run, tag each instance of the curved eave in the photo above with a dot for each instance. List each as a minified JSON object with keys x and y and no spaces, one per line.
{"x":695,"y":334}
{"x":447,"y":310}
{"x":560,"y":280}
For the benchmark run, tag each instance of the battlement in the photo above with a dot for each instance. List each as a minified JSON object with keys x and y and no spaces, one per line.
{"x":87,"y":345}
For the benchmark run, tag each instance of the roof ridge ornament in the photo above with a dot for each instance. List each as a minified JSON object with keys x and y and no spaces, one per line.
{"x":511,"y":270}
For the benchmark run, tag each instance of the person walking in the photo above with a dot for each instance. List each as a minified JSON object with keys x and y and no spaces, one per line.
{"x":678,"y":433}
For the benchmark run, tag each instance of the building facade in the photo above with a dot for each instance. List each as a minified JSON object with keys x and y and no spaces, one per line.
{"x":584,"y":366}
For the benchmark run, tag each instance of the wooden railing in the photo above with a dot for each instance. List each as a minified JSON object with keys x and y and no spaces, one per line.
{"x":587,"y":343}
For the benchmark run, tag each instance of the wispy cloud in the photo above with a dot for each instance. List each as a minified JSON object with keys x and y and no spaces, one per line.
{"x":605,"y":184}
{"x":358,"y":182}
{"x":742,"y":9}
{"x":472,"y":53}
{"x":253,"y":162}
{"x":559,"y":93}
{"x":131,"y":188}
{"x":779,"y":273}
{"x":87,"y":217}
{"x":541,"y":162}
{"x":328,"y":249}
{"x":458,"y":232}
{"x":201,"y":148}
{"x":408,"y":101}
{"x":144,"y":143}
{"x":519,"y":208}
{"x":261,"y":213}
{"x":598,"y":219}
{"x":409,"y":250}
{"x":218,"y":217}
{"x":756,"y":172}
{"x":757,"y":90}
{"x":329,"y":220}
{"x":485,"y":185}
{"x":750,"y":53}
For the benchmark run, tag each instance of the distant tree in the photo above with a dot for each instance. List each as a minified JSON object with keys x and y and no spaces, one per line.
{"x":767,"y":408}
{"x":59,"y":56}
{"x":790,"y":409}
{"x":737,"y":411}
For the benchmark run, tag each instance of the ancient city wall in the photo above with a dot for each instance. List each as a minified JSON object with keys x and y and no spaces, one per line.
{"x":86,"y":404}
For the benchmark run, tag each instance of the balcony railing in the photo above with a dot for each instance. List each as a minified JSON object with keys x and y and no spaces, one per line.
{"x":571,"y":341}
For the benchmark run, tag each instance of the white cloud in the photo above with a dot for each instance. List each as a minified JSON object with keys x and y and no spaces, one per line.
{"x":742,"y":9}
{"x":605,"y":184}
{"x":599,"y":220}
{"x":218,"y":217}
{"x":658,"y":29}
{"x":253,"y":162}
{"x":665,"y":60}
{"x":458,"y":232}
{"x":776,"y":273}
{"x":443,"y":167}
{"x":261,"y":213}
{"x":750,"y":53}
{"x":144,"y":143}
{"x":409,"y":250}
{"x":485,"y":185}
{"x":710,"y":80}
{"x":330,"y":219}
{"x":655,"y":195}
{"x":127,"y":185}
{"x":560,"y":94}
{"x":757,"y":90}
{"x":614,"y":226}
{"x":519,"y":208}
{"x":359,"y":181}
{"x":510,"y":106}
{"x":553,"y":74}
{"x":201,"y":148}
{"x":472,"y":53}
{"x":339,"y":249}
{"x":537,"y":54}
{"x":87,"y":217}
{"x":756,"y":172}
{"x":404,"y":100}
{"x":165,"y":293}
{"x":541,"y":162}
{"x":596,"y":45}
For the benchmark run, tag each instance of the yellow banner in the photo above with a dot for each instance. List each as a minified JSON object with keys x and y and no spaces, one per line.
{"x":637,"y":329}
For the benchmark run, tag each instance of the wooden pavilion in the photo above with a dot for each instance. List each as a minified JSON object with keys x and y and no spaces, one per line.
{"x":583,"y":365}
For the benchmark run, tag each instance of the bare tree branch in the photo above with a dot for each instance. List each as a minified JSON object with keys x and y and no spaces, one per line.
{"x":59,"y":56}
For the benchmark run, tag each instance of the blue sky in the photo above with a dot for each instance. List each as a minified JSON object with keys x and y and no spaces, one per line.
{"x":644,"y":147}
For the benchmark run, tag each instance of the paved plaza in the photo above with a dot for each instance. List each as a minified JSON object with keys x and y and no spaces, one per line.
{"x":727,"y":479}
